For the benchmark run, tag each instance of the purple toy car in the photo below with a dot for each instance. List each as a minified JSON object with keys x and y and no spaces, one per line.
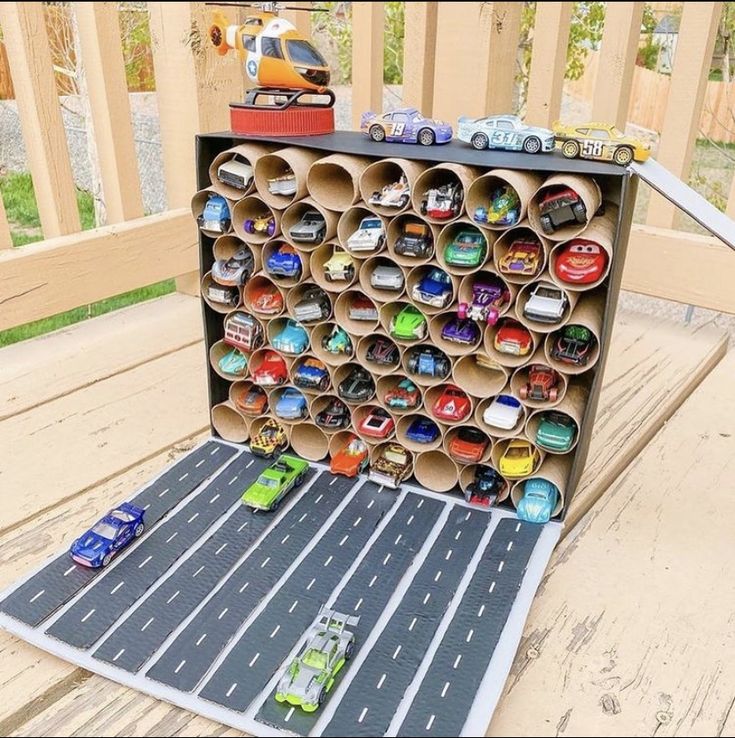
{"x":459,"y":330}
{"x":487,"y":301}
{"x":406,"y":125}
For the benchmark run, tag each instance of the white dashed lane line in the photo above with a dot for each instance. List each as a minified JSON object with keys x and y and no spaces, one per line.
{"x":243,"y":526}
{"x":293,"y":607}
{"x":469,"y":635}
{"x":254,"y":659}
{"x":232,"y":481}
{"x":201,"y":638}
{"x":244,"y":587}
{"x":197,"y":572}
{"x":148,"y":622}
{"x":199,"y":464}
{"x":492,"y":587}
{"x":357,"y":522}
{"x":180,"y":666}
{"x":501,"y":565}
{"x":413,"y":624}
{"x":333,"y":481}
{"x":250,"y":463}
{"x":359,"y":603}
{"x":481,"y":611}
{"x":231,"y":689}
{"x":118,"y":654}
{"x":373,"y":580}
{"x":265,"y":562}
{"x":362,"y":715}
{"x":173,"y":597}
{"x":183,"y":476}
{"x":116,"y":587}
{"x":161,"y":494}
{"x":275,"y":631}
{"x":445,"y":689}
{"x":456,"y":661}
{"x":518,"y":527}
{"x":172,"y":536}
{"x":457,"y":537}
{"x":344,"y":540}
{"x":69,"y":570}
{"x":223,"y":613}
{"x":144,"y":562}
{"x":380,"y":681}
{"x":311,"y":584}
{"x":329,"y":560}
{"x":431,"y":722}
{"x":289,"y":714}
{"x":510,"y":545}
{"x":396,"y":652}
{"x":214,"y":499}
{"x":88,"y":615}
{"x":193,"y":518}
{"x":37,"y":595}
{"x":221,"y":548}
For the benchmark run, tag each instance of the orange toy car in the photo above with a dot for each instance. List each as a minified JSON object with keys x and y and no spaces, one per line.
{"x":254,"y":402}
{"x":351,"y":459}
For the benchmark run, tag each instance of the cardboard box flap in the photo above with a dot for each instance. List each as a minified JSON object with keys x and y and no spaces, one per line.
{"x":686,"y":199}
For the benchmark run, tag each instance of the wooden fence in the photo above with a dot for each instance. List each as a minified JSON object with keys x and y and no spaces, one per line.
{"x":462,"y":69}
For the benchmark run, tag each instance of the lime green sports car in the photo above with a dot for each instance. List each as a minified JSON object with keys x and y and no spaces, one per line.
{"x":275,"y":483}
{"x":409,"y":324}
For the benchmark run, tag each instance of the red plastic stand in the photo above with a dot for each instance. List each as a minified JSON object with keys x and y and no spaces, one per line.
{"x":297,"y":120}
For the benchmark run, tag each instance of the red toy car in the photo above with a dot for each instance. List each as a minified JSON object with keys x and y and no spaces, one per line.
{"x":468,"y":446}
{"x":266,"y":300}
{"x":254,"y":402}
{"x":351,"y":459}
{"x":453,"y":404}
{"x":581,"y":262}
{"x":377,"y":424}
{"x":513,"y":338}
{"x":272,"y":371}
{"x":542,"y":384}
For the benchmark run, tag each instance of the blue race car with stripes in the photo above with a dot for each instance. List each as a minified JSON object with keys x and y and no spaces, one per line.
{"x":506,"y":132}
{"x":406,"y":125}
{"x":109,"y":536}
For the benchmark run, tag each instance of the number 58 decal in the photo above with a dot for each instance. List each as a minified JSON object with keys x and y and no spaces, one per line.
{"x":592,"y":148}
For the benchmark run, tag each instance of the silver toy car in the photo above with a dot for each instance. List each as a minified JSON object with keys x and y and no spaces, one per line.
{"x":310,"y":229}
{"x":507,"y":132}
{"x":386,"y":277}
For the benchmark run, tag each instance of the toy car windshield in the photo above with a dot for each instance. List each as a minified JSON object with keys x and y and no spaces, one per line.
{"x":105,"y":530}
{"x":548,"y":292}
{"x":370,"y":223}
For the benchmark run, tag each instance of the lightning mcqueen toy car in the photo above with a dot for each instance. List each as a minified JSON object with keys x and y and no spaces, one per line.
{"x":405,"y":126}
{"x":581,"y":262}
{"x":504,"y":132}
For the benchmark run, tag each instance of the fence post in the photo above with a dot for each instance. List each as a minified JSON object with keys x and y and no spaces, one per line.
{"x":6,"y":240}
{"x":367,"y":58}
{"x":419,"y":42}
{"x":505,"y":31}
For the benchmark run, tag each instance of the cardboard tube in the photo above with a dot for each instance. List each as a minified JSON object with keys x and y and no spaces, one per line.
{"x":493,"y":430}
{"x":436,"y":471}
{"x":410,"y":357}
{"x":272,"y":170}
{"x":363,"y":347}
{"x":520,"y":234}
{"x":555,"y":469}
{"x":276,"y":326}
{"x":361,"y":412}
{"x":248,"y":153}
{"x":321,"y":402}
{"x":341,"y":373}
{"x":229,"y":423}
{"x":523,"y":183}
{"x":319,"y":336}
{"x":478,"y":380}
{"x":227,"y":246}
{"x":216,"y":352}
{"x":573,"y":406}
{"x":413,"y":280}
{"x":405,"y":422}
{"x":318,"y":273}
{"x":271,"y":248}
{"x":443,"y":175}
{"x":452,"y":433}
{"x":297,"y":294}
{"x":334,"y":180}
{"x":349,"y":223}
{"x":434,"y":393}
{"x":468,"y":474}
{"x":588,"y":313}
{"x":197,"y":208}
{"x":276,"y":395}
{"x":378,"y":294}
{"x":499,"y":449}
{"x":299,"y":362}
{"x":501,"y":357}
{"x":309,"y":441}
{"x":396,"y":229}
{"x":386,"y":172}
{"x":219,"y":307}
{"x":293,"y":214}
{"x":250,"y":220}
{"x":388,"y":383}
{"x":520,"y":378}
{"x":491,"y":278}
{"x":345,"y":307}
{"x":449,"y":233}
{"x":452,"y":348}
{"x":253,"y":291}
{"x":538,"y":325}
{"x":588,"y":191}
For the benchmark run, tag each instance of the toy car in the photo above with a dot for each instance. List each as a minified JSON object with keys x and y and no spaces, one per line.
{"x":513,"y":338}
{"x":271,"y":372}
{"x":581,"y":262}
{"x":429,"y":362}
{"x":293,"y":339}
{"x":236,"y":270}
{"x":377,"y":424}
{"x":504,"y":208}
{"x":542,"y":385}
{"x":362,"y":308}
{"x":283,"y":185}
{"x":254,"y":402}
{"x":422,"y":430}
{"x":369,"y":236}
{"x":352,"y":459}
{"x":357,"y":387}
{"x":110,"y":535}
{"x":523,"y":257}
{"x":267,"y":300}
{"x":600,"y":141}
{"x":284,"y":262}
{"x":215,"y":216}
{"x":503,"y":412}
{"x":485,"y":488}
{"x":234,"y":363}
{"x":310,"y":229}
{"x":404,"y":396}
{"x":391,"y":465}
{"x":264,"y":224}
{"x":229,"y":296}
{"x":385,"y":277}
{"x":336,"y":415}
{"x":394,"y":195}
{"x":461,"y":330}
{"x":291,"y":405}
{"x":337,"y":342}
{"x":559,"y":206}
{"x":243,"y":332}
{"x":538,"y":502}
{"x":468,"y":446}
{"x":405,"y":125}
{"x":453,"y":404}
{"x":574,"y":345}
{"x":467,"y":249}
{"x":312,"y":374}
{"x":443,"y":202}
{"x":313,"y":305}
{"x":546,"y":304}
{"x":434,"y":289}
{"x":507,"y":132}
{"x":416,"y":240}
{"x":488,"y":299}
{"x":519,"y":459}
{"x":556,"y":432}
{"x":408,"y":324}
{"x":235,"y":173}
{"x":339,"y":267}
{"x":310,"y":676}
{"x":383,"y":353}
{"x":275,"y":482}
{"x":270,"y":440}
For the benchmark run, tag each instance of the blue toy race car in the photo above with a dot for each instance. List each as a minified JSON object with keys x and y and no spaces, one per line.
{"x":291,"y":405}
{"x":109,"y":536}
{"x":312,"y":374}
{"x":434,"y":289}
{"x":216,"y":215}
{"x":423,"y":430}
{"x":284,"y":262}
{"x":405,"y":126}
{"x":293,"y":339}
{"x":538,"y":502}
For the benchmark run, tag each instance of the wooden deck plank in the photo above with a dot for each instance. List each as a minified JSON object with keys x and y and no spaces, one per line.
{"x":44,"y":368}
{"x":632,"y":631}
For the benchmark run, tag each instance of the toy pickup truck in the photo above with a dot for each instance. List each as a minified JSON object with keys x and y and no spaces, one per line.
{"x":275,"y":483}
{"x":235,"y":173}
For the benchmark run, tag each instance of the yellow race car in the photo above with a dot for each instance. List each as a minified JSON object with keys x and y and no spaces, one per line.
{"x":599,"y":141}
{"x":271,"y":440}
{"x":519,"y":459}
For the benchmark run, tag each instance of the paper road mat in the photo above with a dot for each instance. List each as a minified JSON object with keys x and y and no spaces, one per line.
{"x":208,"y":608}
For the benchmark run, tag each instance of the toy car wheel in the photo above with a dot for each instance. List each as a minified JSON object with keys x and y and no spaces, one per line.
{"x":424,"y":207}
{"x":349,"y":650}
{"x":492,"y":316}
{"x":623,"y":156}
{"x":553,"y":394}
{"x":139,"y":530}
{"x":570,"y":149}
{"x":523,"y":392}
{"x":462,"y":310}
{"x":106,"y":560}
{"x":328,"y":277}
{"x":532,"y":145}
{"x":350,"y":273}
{"x":377,"y":133}
{"x":426,"y":137}
{"x":324,"y":384}
{"x":299,"y":480}
{"x":271,"y":228}
{"x":403,"y":201}
{"x":480,"y":141}
{"x":547,"y":224}
{"x":580,"y":214}
{"x":249,"y":226}
{"x":322,"y":696}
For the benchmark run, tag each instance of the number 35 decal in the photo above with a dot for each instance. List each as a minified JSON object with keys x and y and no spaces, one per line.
{"x":592,"y":148}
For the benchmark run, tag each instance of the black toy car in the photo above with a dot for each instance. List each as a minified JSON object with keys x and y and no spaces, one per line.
{"x":415,"y":240}
{"x":357,"y":387}
{"x":336,"y":415}
{"x":314,"y":305}
{"x":485,"y":489}
{"x":429,"y":362}
{"x":559,"y":206}
{"x":383,"y":352}
{"x":574,"y":345}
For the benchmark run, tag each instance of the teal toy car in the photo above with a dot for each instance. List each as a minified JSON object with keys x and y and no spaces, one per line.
{"x":555,"y":432}
{"x":467,"y":249}
{"x":216,"y":215}
{"x":538,"y":502}
{"x":275,"y":483}
{"x":293,"y":339}
{"x":234,"y":363}
{"x":337,"y":342}
{"x":409,"y":324}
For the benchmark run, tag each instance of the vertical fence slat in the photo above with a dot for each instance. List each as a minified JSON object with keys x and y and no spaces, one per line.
{"x":6,"y":240}
{"x":419,"y":42}
{"x":104,"y":67}
{"x":367,"y":59}
{"x":548,"y":62}
{"x":505,"y":30}
{"x":686,"y":95}
{"x":27,"y":42}
{"x":620,"y":39}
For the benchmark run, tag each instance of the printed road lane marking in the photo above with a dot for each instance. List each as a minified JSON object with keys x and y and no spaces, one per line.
{"x":409,"y":521}
{"x":254,"y":659}
{"x":173,"y":597}
{"x":386,"y":559}
{"x":143,"y":563}
{"x":275,"y":630}
{"x":318,"y":499}
{"x":232,"y":481}
{"x":480,"y":611}
{"x":118,"y":654}
{"x":69,"y":570}
{"x":426,"y":599}
{"x":333,"y":481}
{"x":344,"y":540}
{"x":311,"y":584}
{"x":250,"y":463}
{"x":199,"y":464}
{"x":469,"y":635}
{"x":459,"y":533}
{"x":171,"y":537}
{"x":231,"y":690}
{"x":201,"y":638}
{"x":223,"y":613}
{"x":357,"y":522}
{"x":362,"y":715}
{"x":88,"y":615}
{"x":372,"y":502}
{"x":303,"y":517}
{"x":221,"y":549}
{"x":180,"y":666}
{"x":293,"y":607}
{"x":215,"y":498}
{"x":197,"y":572}
{"x":500,"y":565}
{"x":446,"y":687}
{"x":518,"y":527}
{"x":431,"y":722}
{"x":380,"y":682}
{"x":456,"y":661}
{"x":164,"y":491}
{"x":492,"y":587}
{"x":36,"y":596}
{"x":289,"y":714}
{"x":265,"y":562}
{"x":413,"y":623}
{"x":449,"y":555}
{"x":438,"y":575}
{"x":357,"y":606}
{"x":116,"y":587}
{"x":183,"y":477}
{"x":398,"y":540}
{"x":329,"y":560}
{"x":193,"y":518}
{"x":396,"y":652}
{"x":242,"y":527}
{"x":373,"y":580}
{"x":510,"y":545}
{"x":288,"y":535}
{"x":244,"y":587}
{"x":147,"y":624}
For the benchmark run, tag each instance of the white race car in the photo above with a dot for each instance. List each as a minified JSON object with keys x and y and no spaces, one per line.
{"x":507,"y":132}
{"x":369,"y":235}
{"x":393,"y":195}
